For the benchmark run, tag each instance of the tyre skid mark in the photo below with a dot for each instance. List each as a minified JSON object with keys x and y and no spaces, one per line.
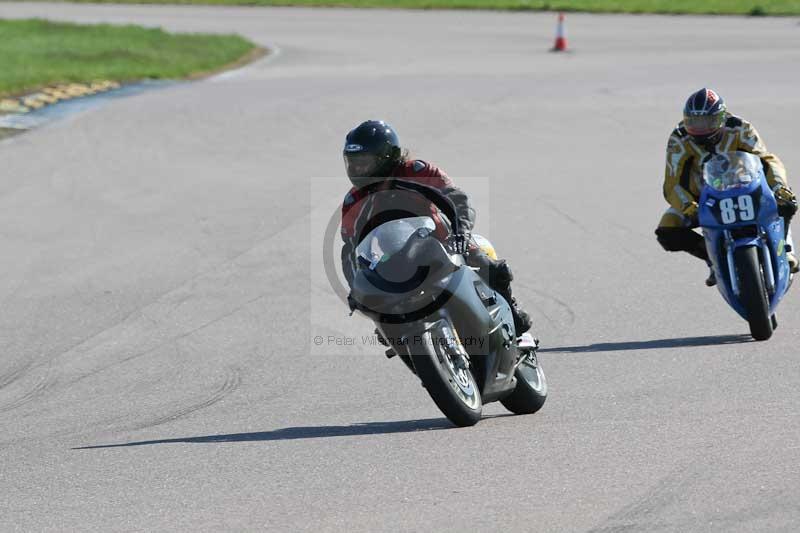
{"x":566,"y":216}
{"x":13,"y":375}
{"x":643,"y":513}
{"x":34,"y":392}
{"x":163,"y":343}
{"x":233,"y":261}
{"x":564,"y":306}
{"x":578,"y":224}
{"x":232,"y":381}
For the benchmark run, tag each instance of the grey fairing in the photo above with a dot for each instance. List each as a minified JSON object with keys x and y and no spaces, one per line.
{"x":485,"y":329}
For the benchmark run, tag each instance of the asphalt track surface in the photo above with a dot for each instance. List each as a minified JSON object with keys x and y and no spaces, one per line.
{"x":161,"y":289}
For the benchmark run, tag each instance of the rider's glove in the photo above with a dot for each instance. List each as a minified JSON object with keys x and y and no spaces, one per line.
{"x":787,"y":201}
{"x":459,"y":242}
{"x":690,"y":211}
{"x":784,"y":195}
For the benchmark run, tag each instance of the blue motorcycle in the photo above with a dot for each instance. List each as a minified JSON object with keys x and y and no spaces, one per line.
{"x":745,"y":238}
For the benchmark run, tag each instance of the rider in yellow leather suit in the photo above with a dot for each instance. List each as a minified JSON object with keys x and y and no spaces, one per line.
{"x":708,"y":128}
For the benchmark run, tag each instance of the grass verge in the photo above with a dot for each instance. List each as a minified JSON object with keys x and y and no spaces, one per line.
{"x":36,"y":53}
{"x":713,"y":7}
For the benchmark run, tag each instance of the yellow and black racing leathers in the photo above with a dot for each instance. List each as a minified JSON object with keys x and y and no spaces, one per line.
{"x":683,"y":179}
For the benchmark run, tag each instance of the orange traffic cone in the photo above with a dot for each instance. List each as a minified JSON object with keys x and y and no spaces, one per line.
{"x":561,"y":38}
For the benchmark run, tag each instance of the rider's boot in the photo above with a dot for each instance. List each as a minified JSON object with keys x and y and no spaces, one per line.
{"x":699,"y":251}
{"x":502,"y":282}
{"x":794,"y":264}
{"x":711,"y":280}
{"x":522,"y":320}
{"x":499,"y":276}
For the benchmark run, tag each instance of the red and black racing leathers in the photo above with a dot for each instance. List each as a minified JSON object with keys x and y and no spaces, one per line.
{"x":358,"y":209}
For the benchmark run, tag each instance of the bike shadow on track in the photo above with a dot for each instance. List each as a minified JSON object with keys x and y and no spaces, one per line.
{"x":684,"y":342}
{"x":307,"y":432}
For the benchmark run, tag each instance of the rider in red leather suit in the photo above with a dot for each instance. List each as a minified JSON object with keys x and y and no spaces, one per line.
{"x":373,"y":154}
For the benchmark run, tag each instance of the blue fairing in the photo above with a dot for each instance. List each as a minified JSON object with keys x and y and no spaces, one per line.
{"x":722,"y":234}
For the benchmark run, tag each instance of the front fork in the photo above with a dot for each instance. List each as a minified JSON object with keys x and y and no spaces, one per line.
{"x":769,"y":273}
{"x":766,"y":261}
{"x":442,"y":331}
{"x":729,"y":248}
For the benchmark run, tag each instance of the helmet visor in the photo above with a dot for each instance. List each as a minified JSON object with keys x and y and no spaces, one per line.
{"x":361,"y":165}
{"x":703,"y":124}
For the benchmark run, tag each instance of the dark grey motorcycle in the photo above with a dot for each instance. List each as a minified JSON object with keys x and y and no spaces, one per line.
{"x":442,"y":319}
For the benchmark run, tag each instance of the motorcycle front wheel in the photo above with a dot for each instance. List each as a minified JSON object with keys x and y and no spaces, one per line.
{"x":753,"y":295}
{"x":443,"y":367}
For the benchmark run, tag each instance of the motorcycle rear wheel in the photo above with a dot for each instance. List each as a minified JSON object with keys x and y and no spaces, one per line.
{"x":451,"y":386}
{"x":753,"y":294}
{"x":531,"y":391}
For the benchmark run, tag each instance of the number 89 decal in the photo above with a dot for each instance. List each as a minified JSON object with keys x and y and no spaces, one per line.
{"x":742,"y":210}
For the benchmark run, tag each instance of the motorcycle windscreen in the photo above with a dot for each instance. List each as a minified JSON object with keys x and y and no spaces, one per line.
{"x":389,"y":238}
{"x":732,"y":170}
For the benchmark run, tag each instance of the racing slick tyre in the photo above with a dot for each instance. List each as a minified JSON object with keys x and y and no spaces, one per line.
{"x":531,"y":391}
{"x":753,"y":293}
{"x":444,"y":370}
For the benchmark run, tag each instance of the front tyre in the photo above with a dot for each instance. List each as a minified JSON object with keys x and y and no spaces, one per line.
{"x":443,"y":367}
{"x":753,"y":295}
{"x":531,"y":391}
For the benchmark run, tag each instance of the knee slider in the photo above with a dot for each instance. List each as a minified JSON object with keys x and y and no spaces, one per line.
{"x":668,"y":238}
{"x":676,"y":239}
{"x":787,"y":210}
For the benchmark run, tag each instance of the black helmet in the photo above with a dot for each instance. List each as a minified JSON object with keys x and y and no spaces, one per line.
{"x":370,"y":151}
{"x":704,"y":114}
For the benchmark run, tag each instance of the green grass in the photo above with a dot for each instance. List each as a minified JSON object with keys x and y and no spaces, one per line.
{"x":36,"y":53}
{"x":726,"y":7}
